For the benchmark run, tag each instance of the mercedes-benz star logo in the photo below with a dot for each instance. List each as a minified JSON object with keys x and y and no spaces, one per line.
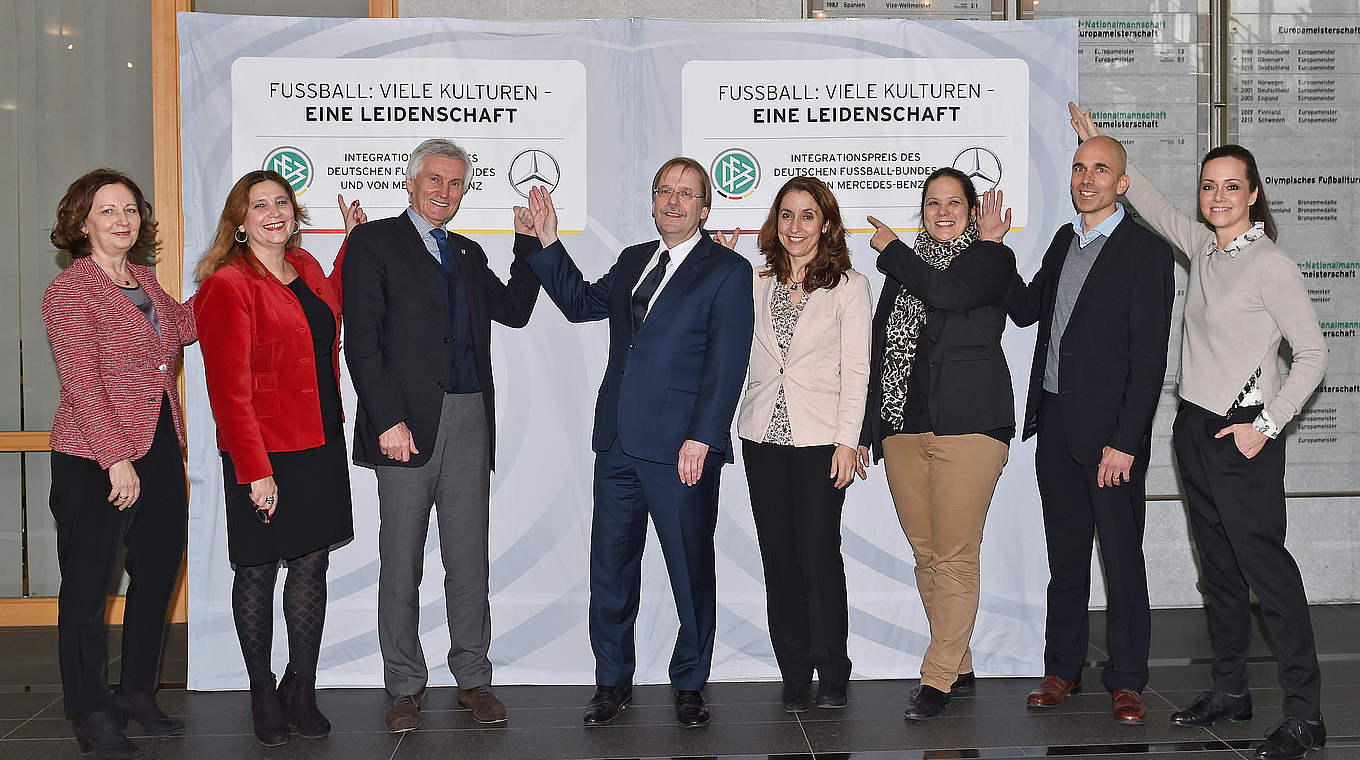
{"x":531,"y":168}
{"x":981,"y":165}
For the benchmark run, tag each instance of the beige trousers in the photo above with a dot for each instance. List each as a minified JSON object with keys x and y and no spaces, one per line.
{"x":942,"y":486}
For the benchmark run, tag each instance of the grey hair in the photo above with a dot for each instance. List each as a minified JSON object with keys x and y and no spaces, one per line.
{"x":437,"y":146}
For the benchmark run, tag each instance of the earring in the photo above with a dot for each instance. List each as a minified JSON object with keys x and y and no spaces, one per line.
{"x":240,"y":236}
{"x":296,"y":227}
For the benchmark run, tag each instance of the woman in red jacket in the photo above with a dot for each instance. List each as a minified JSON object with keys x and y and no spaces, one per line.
{"x":270,"y":331}
{"x":117,"y":471}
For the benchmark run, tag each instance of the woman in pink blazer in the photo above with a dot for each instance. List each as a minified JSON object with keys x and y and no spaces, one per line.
{"x":117,"y":471}
{"x":799,"y":424}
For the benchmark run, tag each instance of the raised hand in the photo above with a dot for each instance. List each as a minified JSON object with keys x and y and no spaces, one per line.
{"x":992,"y":224}
{"x":353,"y":213}
{"x":729,"y":242}
{"x":883,"y":235}
{"x":1082,"y":123}
{"x":544,"y":215}
{"x":524,"y":220}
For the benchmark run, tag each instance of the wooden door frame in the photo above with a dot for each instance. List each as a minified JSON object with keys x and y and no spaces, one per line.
{"x":42,"y":611}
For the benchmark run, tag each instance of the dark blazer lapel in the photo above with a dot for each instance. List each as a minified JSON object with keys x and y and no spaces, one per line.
{"x":684,"y":277}
{"x":1104,"y":260}
{"x":416,"y":257}
{"x":631,"y":264}
{"x":1050,"y":294}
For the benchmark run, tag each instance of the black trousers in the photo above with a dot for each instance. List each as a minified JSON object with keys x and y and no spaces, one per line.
{"x":1075,"y":510}
{"x":1237,"y":516}
{"x":797,"y":510}
{"x":89,"y":529}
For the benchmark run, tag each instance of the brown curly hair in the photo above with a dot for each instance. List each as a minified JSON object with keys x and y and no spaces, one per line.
{"x":74,"y":208}
{"x":225,"y":248}
{"x":828,"y":267}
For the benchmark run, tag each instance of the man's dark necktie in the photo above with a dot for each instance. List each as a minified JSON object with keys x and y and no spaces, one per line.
{"x":445,"y":252}
{"x":643,"y":295}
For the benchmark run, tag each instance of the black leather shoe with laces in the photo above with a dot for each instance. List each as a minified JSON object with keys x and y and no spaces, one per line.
{"x":690,"y":710}
{"x":1292,"y":739}
{"x":926,"y":702}
{"x":606,"y":704}
{"x":1212,"y":706}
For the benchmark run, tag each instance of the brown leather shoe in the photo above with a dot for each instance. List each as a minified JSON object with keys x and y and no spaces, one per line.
{"x":485,"y":707}
{"x":1052,"y":691}
{"x":1128,"y":707}
{"x":403,"y":714}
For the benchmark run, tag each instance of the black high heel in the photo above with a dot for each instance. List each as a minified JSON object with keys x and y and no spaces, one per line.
{"x":141,"y":707}
{"x":298,"y":694}
{"x":99,"y":734}
{"x":268,"y":715}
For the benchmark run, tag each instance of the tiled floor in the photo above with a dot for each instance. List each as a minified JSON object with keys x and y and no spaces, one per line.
{"x":545,"y":722}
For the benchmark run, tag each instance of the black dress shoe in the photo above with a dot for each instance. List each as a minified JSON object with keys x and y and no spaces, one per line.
{"x":831,"y":696}
{"x":965,"y":685}
{"x":1212,"y":706}
{"x":926,"y":702}
{"x":690,"y":709}
{"x":797,"y":698}
{"x":1292,"y":739}
{"x":606,"y":704}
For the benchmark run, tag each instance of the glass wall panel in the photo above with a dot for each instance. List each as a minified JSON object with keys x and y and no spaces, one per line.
{"x":78,"y":97}
{"x":1294,"y":95}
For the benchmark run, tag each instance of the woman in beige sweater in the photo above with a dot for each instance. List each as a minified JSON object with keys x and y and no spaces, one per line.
{"x":799,"y":423}
{"x":1243,"y":297}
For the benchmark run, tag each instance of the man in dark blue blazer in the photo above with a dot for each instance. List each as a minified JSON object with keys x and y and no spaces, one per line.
{"x":1102,"y":298}
{"x":680,"y":323}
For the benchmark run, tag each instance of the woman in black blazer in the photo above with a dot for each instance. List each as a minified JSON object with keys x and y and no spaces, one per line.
{"x":940,"y":411}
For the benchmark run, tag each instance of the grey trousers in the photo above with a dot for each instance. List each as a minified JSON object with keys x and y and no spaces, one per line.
{"x":457,"y":482}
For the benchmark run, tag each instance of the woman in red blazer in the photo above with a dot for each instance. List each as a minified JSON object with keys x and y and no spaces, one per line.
{"x":270,"y":331}
{"x":117,"y":470}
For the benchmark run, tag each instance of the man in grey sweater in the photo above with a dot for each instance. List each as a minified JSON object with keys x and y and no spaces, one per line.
{"x":1102,"y":298}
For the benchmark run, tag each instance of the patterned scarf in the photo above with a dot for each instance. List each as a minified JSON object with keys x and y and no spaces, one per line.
{"x":907,"y":320}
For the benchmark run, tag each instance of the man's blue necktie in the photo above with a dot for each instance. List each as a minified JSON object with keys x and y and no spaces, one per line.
{"x":445,"y":252}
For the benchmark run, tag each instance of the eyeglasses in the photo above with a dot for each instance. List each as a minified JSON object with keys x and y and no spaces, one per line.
{"x":666,"y":193}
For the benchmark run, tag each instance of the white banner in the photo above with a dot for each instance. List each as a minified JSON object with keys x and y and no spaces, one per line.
{"x":338,"y":104}
{"x":522,"y":122}
{"x":873,"y":130}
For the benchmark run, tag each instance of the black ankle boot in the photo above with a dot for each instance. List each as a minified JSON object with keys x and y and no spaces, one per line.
{"x":271,"y":720}
{"x":298,"y":693}
{"x":101,"y":734}
{"x":141,"y":706}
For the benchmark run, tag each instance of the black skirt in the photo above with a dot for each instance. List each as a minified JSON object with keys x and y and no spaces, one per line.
{"x":314,"y":508}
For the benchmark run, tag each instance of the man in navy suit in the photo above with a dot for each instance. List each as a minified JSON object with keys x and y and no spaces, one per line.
{"x":680,"y":323}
